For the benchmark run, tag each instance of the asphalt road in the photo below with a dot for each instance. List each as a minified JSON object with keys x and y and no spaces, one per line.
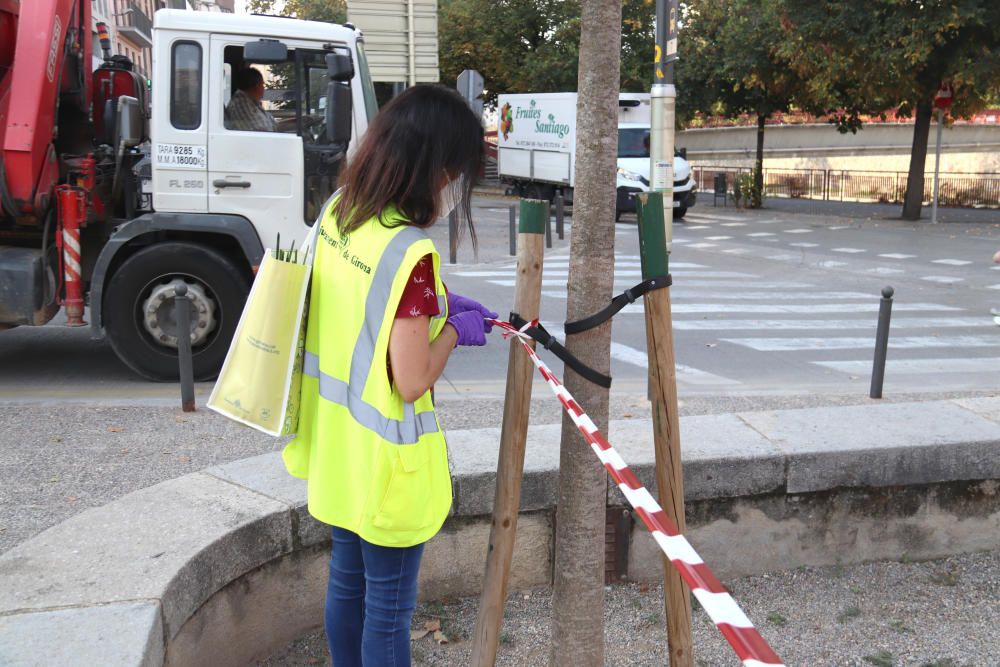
{"x":790,"y":329}
{"x":771,"y":302}
{"x":764,"y":302}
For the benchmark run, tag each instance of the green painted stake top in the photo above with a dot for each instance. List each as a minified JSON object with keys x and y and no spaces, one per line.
{"x":652,"y":235}
{"x":534,"y":215}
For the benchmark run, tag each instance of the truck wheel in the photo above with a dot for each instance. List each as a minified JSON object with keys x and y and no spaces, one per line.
{"x":139,"y":316}
{"x":680,"y":212}
{"x":618,"y":214}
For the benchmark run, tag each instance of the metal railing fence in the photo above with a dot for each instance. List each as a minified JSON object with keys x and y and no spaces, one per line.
{"x":980,"y":190}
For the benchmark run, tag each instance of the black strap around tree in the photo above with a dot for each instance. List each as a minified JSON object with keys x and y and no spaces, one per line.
{"x":542,"y":336}
{"x":546,"y":340}
{"x":628,"y":296}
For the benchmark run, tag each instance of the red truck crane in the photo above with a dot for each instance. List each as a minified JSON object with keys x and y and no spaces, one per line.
{"x":108,"y":202}
{"x":58,"y":171}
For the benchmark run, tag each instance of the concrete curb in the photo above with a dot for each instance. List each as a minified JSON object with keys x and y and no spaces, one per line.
{"x":120,"y":584}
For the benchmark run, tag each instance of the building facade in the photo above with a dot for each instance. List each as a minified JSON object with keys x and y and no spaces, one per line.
{"x":134,"y":31}
{"x":130,"y":23}
{"x":101,"y":13}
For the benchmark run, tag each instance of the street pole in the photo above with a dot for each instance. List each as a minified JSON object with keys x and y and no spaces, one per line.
{"x":663,"y":97}
{"x":659,"y":327}
{"x":937,"y":162}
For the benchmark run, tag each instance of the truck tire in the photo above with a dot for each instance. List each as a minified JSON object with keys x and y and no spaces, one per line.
{"x":138,"y":308}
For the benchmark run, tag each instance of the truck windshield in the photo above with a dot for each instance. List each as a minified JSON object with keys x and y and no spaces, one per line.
{"x":633,"y":142}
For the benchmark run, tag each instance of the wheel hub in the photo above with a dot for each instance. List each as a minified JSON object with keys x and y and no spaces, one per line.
{"x":160,"y":319}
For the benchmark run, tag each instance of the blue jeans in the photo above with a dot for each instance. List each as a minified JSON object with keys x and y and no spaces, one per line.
{"x":370,"y":601}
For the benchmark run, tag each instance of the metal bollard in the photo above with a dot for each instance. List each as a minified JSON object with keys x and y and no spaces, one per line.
{"x":560,"y":213}
{"x":881,"y":342}
{"x":453,"y":237}
{"x":513,"y":231}
{"x":182,"y":318}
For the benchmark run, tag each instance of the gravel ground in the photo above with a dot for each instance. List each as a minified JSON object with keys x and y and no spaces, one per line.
{"x":943,"y":613}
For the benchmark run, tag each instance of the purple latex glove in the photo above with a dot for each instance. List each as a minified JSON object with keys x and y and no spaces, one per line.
{"x":471,"y":328}
{"x":463,"y":304}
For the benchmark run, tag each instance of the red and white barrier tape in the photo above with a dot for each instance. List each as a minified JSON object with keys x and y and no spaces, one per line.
{"x":720,"y":606}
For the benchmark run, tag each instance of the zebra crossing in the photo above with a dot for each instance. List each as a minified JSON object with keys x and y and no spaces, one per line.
{"x":820,"y":334}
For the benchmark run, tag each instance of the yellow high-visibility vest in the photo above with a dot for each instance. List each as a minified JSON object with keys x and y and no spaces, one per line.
{"x":376,"y":465}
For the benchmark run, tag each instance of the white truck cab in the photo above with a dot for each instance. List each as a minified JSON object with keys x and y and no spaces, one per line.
{"x":202,"y":164}
{"x":634,"y":120}
{"x":218,"y":190}
{"x":633,"y":171}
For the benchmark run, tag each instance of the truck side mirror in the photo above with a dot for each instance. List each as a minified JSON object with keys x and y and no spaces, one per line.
{"x":339,"y":67}
{"x":265,"y":52}
{"x":338,"y":113}
{"x":340,"y":70}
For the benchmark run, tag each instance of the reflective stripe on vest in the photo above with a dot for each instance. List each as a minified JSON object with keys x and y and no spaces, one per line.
{"x":378,"y":297}
{"x":400,"y":432}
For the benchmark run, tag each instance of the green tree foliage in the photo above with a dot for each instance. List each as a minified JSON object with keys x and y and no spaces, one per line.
{"x":331,"y":11}
{"x":282,"y":77}
{"x":731,"y":63}
{"x":534,"y":45}
{"x":638,"y":43}
{"x":873,"y":55}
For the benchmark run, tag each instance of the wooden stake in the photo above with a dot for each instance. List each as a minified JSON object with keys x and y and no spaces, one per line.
{"x":513,"y":435}
{"x":666,"y":422}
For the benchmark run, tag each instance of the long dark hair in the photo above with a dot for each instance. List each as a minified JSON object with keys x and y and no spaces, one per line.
{"x":424,"y":134}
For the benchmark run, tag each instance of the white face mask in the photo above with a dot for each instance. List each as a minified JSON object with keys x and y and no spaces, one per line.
{"x":450,"y":196}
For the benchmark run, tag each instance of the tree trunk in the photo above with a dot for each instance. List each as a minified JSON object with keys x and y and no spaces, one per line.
{"x":758,"y":175}
{"x":918,"y":158}
{"x":578,"y":599}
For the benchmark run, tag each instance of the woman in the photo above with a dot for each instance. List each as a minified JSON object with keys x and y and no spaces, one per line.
{"x":381,"y":328}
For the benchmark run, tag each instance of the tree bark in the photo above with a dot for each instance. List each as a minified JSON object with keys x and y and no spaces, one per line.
{"x":918,"y":158}
{"x":578,"y":599}
{"x":758,"y":176}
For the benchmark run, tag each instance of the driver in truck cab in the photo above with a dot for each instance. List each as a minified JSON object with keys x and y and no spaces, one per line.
{"x":244,"y":111}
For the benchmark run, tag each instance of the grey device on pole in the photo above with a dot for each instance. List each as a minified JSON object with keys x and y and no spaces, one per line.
{"x":470,"y":86}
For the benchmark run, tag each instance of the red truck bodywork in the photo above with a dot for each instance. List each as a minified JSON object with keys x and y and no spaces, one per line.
{"x":36,"y":37}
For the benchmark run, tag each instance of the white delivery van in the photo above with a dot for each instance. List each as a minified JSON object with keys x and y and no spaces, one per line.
{"x":536,"y":142}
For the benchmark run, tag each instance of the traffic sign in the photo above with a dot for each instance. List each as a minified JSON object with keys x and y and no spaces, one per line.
{"x":470,"y":86}
{"x":943,"y":98}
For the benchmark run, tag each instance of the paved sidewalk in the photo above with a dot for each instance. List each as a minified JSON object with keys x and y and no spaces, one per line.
{"x":56,"y":463}
{"x":864,"y":210}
